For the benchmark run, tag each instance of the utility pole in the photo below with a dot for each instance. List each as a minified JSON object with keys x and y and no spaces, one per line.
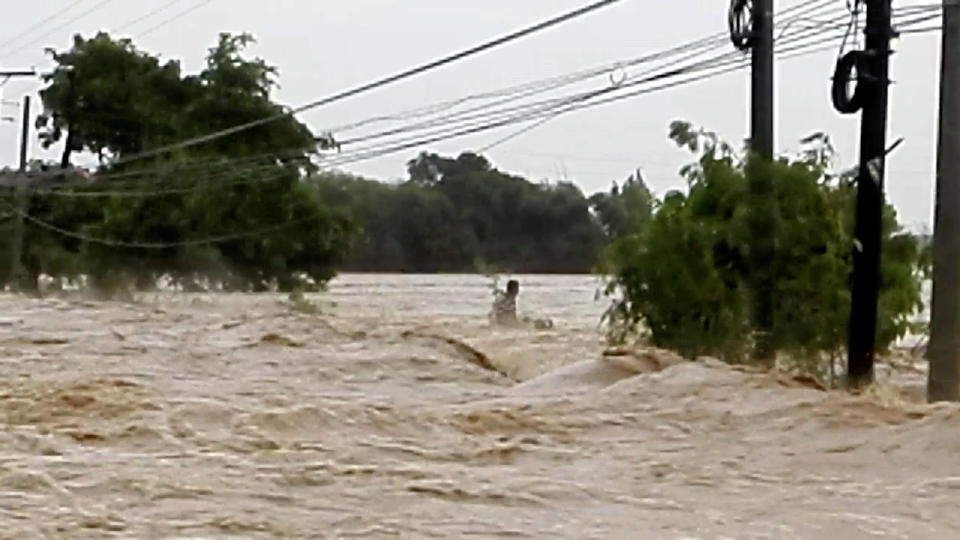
{"x":943,"y":352}
{"x":762,"y":197}
{"x":25,"y":134}
{"x":20,"y":203}
{"x":763,"y":220}
{"x":761,"y":86}
{"x":873,"y":80}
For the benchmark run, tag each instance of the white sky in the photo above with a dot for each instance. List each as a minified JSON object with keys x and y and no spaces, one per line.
{"x":323,"y":46}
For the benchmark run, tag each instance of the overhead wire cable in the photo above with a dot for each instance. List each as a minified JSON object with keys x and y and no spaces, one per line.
{"x":708,"y":41}
{"x":215,"y":239}
{"x":837,"y":26}
{"x":150,"y":14}
{"x":174,"y":18}
{"x":55,"y":29}
{"x":391,"y":79}
{"x":40,"y":23}
{"x":553,"y":101}
{"x":783,"y":53}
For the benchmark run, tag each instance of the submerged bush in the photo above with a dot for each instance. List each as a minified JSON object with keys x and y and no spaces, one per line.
{"x":682,"y":282}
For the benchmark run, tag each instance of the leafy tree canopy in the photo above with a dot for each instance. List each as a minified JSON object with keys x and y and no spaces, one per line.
{"x":108,"y":98}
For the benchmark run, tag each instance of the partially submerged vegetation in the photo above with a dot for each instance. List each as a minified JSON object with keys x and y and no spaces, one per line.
{"x":680,"y":279}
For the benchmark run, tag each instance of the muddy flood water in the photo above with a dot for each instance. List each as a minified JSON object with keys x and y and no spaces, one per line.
{"x":397,"y":412}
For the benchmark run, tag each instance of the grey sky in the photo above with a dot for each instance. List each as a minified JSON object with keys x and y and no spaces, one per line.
{"x":324,"y":46}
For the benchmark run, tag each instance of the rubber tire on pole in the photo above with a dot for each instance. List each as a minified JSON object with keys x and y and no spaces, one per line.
{"x":843,"y":101}
{"x":740,"y":24}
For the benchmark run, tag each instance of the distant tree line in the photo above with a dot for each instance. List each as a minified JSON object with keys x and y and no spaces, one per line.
{"x":462,"y":214}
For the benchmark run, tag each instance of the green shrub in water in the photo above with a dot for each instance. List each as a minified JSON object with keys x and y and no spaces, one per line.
{"x":682,"y":281}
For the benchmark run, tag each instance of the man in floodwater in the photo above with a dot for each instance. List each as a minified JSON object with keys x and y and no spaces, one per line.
{"x":505,"y":310}
{"x":505,"y":304}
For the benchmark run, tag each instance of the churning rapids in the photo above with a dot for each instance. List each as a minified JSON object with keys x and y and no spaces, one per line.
{"x":397,"y":412}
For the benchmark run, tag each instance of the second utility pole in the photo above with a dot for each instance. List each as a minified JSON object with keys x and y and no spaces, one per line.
{"x":763,"y":207}
{"x":875,"y":79}
{"x":20,"y":203}
{"x":944,"y":349}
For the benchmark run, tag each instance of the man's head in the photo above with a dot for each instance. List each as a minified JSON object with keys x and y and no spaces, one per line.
{"x":513,"y":287}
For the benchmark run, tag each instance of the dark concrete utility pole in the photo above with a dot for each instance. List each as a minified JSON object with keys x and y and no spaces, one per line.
{"x":751,"y":28}
{"x":763,"y":219}
{"x":873,"y":81}
{"x":943,"y":352}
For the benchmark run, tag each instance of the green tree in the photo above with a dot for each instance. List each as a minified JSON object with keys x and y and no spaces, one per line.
{"x":116,"y":102}
{"x":111,"y":98}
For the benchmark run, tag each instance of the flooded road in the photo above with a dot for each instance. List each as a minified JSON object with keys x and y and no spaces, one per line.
{"x":396,"y":412}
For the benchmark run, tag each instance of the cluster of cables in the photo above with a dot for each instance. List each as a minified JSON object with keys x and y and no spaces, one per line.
{"x":807,"y":28}
{"x":855,"y":66}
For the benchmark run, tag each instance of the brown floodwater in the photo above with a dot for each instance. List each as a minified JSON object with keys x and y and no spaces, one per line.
{"x":397,"y":412}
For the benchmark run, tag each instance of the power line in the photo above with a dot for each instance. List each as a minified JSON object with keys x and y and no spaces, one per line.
{"x":554,"y":103}
{"x":517,"y":133}
{"x":717,"y":61}
{"x":534,"y":87}
{"x":922,"y":30}
{"x":386,"y":80}
{"x":485,"y":111}
{"x":226,"y":177}
{"x":41,"y":22}
{"x":66,"y":23}
{"x":171,"y":168}
{"x":564,"y":80}
{"x":698,"y":47}
{"x":800,"y":50}
{"x":160,"y":245}
{"x":479,"y":128}
{"x":146,"y":16}
{"x":200,"y":186}
{"x":176,"y":17}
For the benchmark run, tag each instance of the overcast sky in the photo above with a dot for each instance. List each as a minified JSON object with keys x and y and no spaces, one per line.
{"x":322,"y":46}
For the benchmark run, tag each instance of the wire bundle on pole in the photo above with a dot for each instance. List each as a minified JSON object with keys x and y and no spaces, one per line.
{"x":740,"y":24}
